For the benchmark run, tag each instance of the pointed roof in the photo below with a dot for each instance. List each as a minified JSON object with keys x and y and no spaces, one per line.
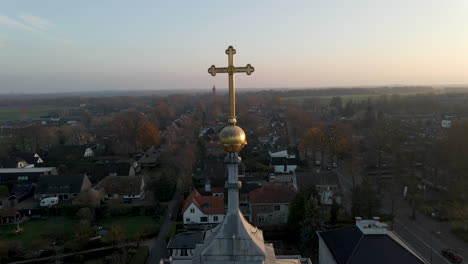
{"x":206,"y":204}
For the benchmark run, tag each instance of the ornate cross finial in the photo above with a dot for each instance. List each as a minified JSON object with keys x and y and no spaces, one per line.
{"x":231,"y":69}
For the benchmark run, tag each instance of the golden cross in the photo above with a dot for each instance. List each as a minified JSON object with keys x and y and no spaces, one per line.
{"x":230,"y":69}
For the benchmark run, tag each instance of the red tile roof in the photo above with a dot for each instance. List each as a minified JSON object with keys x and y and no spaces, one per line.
{"x":272,"y":194}
{"x":206,"y":204}
{"x":217,"y":190}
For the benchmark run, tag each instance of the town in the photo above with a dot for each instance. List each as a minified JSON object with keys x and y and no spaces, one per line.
{"x":328,"y":175}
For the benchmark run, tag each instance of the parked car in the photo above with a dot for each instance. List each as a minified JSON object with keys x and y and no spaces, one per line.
{"x":452,"y":255}
{"x":49,"y":201}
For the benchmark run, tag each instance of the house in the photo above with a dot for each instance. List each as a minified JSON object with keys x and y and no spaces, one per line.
{"x":96,"y":172}
{"x":123,"y":187}
{"x":368,"y":241}
{"x":31,"y":158}
{"x":283,"y":162}
{"x":214,"y":150}
{"x":69,"y":152}
{"x":65,"y":187}
{"x":31,"y":175}
{"x":90,"y":197}
{"x":149,"y":158}
{"x":14,"y":162}
{"x":199,"y":209}
{"x":182,"y":246}
{"x":10,"y":217}
{"x":20,"y":192}
{"x":269,"y":205}
{"x":325,"y":182}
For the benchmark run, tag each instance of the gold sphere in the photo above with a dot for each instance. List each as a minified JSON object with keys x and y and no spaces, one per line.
{"x":232,"y":138}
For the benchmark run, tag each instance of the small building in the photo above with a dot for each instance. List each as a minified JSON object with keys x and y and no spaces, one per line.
{"x":182,"y":246}
{"x":283,"y":162}
{"x":368,"y":241}
{"x":65,"y":187}
{"x":269,"y":205}
{"x":25,"y":175}
{"x":123,"y":187}
{"x":10,"y":217}
{"x":150,"y":158}
{"x":199,"y":209}
{"x":325,"y":182}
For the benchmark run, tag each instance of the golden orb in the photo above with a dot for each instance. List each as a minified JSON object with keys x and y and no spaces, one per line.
{"x":232,"y":138}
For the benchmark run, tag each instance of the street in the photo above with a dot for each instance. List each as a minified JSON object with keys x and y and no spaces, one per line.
{"x":425,"y":235}
{"x":157,"y":245}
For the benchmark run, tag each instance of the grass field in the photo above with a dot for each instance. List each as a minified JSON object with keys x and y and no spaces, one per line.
{"x":134,"y":225}
{"x":9,"y":113}
{"x":36,"y":231}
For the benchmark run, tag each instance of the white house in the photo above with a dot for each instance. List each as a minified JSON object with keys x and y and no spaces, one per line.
{"x":199,"y":209}
{"x":283,"y":162}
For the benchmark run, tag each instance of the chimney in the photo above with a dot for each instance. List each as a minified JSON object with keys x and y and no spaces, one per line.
{"x":207,"y":186}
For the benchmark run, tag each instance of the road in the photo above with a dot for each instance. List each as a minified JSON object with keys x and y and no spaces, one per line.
{"x":157,"y":245}
{"x":425,"y":235}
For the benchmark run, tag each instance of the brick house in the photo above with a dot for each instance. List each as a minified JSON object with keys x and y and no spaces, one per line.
{"x":269,"y":205}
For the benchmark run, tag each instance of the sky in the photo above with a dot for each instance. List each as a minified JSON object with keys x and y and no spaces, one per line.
{"x":60,"y":46}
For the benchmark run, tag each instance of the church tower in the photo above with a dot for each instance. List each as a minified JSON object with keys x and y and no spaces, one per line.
{"x":235,"y":240}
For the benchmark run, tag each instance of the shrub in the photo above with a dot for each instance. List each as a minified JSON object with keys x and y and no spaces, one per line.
{"x":141,"y":255}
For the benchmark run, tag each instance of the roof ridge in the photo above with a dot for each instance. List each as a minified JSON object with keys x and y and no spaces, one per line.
{"x":357,"y":245}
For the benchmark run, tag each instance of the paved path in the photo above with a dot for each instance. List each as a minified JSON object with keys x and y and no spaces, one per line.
{"x":157,"y":245}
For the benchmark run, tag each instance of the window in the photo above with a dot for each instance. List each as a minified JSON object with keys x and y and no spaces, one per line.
{"x":277,"y":207}
{"x":203,"y":219}
{"x":192,"y":210}
{"x":183,"y":252}
{"x":215,"y":218}
{"x":261,"y":208}
{"x":261,"y":219}
{"x":22,"y":178}
{"x":187,"y":220}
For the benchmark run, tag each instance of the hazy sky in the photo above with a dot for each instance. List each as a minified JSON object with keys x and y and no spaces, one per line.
{"x":56,"y":45}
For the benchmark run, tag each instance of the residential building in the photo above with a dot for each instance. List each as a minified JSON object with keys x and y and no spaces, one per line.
{"x":65,"y":187}
{"x":123,"y":187}
{"x":283,"y":162}
{"x":269,"y":205}
{"x":368,"y":241}
{"x":182,"y":245}
{"x":25,"y":175}
{"x":10,"y":217}
{"x":199,"y":209}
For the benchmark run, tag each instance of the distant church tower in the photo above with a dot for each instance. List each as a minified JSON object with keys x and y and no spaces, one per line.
{"x":214,"y":90}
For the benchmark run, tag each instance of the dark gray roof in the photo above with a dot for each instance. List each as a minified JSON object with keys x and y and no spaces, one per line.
{"x":52,"y":184}
{"x":349,"y":245}
{"x":278,"y":161}
{"x":308,"y":179}
{"x":186,"y":240}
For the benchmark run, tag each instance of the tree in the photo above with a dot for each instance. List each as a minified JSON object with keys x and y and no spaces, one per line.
{"x":3,"y":190}
{"x":116,"y":235}
{"x":366,"y":199}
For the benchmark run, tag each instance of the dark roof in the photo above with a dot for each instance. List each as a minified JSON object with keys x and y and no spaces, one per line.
{"x":52,"y":184}
{"x":349,"y":245}
{"x":122,"y":185}
{"x":11,"y":162}
{"x":308,"y":179}
{"x":186,"y":240}
{"x":27,"y":156}
{"x":20,"y":190}
{"x":98,"y":171}
{"x":283,"y":161}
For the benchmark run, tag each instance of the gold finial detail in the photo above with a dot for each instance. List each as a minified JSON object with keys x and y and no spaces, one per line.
{"x":232,"y":137}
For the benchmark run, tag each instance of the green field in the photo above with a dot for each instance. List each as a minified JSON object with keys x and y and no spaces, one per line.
{"x":38,"y":231}
{"x":13,"y":113}
{"x":134,"y":225}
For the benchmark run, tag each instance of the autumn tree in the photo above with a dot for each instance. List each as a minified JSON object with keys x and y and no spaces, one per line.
{"x":366,"y":199}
